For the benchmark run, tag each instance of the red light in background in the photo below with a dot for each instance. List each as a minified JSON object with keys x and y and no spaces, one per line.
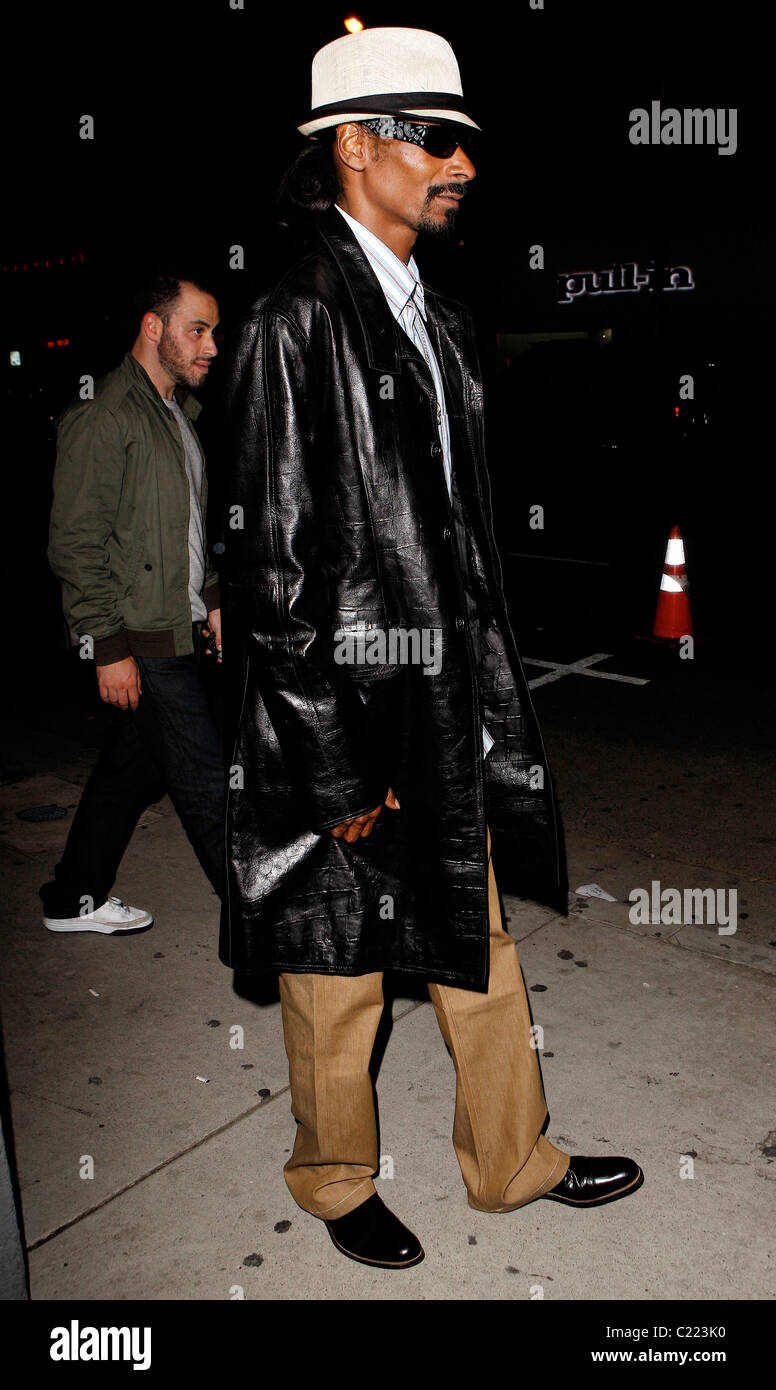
{"x":77,"y":258}
{"x":676,"y":410}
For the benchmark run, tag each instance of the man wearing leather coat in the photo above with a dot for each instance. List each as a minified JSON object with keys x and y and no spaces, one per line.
{"x":385,"y":737}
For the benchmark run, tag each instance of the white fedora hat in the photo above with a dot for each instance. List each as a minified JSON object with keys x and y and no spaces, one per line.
{"x":385,"y":72}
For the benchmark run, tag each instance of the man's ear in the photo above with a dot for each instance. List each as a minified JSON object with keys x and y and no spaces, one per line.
{"x":353,"y":145}
{"x":151,"y":327}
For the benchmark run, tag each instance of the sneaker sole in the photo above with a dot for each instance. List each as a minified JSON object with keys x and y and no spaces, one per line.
{"x":597,"y":1201}
{"x":104,"y":929}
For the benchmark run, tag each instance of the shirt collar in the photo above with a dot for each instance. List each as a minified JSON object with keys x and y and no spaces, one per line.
{"x":399,"y":282}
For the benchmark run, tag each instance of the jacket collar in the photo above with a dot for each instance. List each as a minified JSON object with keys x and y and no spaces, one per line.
{"x":388,"y":346}
{"x":140,"y":378}
{"x":385,"y":349}
{"x":400,"y":283}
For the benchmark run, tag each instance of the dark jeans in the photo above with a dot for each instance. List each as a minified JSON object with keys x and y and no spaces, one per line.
{"x":170,"y":743}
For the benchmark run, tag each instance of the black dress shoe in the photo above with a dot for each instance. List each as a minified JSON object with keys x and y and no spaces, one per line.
{"x":589,"y":1182}
{"x":372,"y":1235}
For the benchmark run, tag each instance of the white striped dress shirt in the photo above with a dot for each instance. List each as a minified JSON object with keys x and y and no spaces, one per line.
{"x":403,"y":290}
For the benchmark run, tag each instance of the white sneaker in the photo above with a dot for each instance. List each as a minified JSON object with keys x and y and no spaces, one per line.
{"x":113,"y":916}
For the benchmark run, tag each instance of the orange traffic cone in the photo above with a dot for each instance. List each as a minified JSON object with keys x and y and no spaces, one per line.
{"x":672,"y":616}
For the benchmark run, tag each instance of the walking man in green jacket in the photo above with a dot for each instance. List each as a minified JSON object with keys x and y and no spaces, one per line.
{"x":127,"y":542}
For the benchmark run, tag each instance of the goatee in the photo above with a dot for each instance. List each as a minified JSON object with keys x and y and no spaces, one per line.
{"x":433,"y":226}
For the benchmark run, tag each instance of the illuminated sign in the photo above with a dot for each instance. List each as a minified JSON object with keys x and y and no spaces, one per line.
{"x":16,"y":357}
{"x":622,"y":278}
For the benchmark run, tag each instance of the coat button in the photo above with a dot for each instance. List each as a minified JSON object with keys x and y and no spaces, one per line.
{"x":460,"y":624}
{"x":436,"y":450}
{"x":447,"y":533}
{"x":148,"y":567}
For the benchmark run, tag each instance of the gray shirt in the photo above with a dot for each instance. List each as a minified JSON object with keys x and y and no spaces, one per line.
{"x":194,"y":470}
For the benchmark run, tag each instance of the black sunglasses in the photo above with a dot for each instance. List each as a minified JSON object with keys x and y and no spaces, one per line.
{"x":440,"y":141}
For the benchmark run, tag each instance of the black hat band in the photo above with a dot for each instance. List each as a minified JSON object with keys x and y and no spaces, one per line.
{"x":391,"y":103}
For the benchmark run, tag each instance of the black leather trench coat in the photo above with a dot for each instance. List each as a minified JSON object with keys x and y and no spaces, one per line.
{"x":339,"y":523}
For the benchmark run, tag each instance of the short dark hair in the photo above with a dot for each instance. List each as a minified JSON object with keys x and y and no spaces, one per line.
{"x":311,"y":183}
{"x":159,"y":293}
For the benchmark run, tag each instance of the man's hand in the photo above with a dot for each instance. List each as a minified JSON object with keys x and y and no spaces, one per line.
{"x":213,"y":625}
{"x":119,"y":683}
{"x":360,"y":827}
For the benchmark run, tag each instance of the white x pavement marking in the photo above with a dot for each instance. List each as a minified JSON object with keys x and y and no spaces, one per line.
{"x":557,"y":670}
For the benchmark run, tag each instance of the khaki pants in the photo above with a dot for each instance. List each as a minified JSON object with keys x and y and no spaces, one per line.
{"x":329,"y":1026}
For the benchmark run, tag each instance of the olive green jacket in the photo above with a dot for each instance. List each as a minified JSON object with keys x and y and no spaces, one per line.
{"x":119,"y":532}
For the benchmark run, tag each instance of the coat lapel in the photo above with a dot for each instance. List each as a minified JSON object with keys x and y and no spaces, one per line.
{"x":390,"y":349}
{"x":462,"y":392}
{"x":380,"y":329}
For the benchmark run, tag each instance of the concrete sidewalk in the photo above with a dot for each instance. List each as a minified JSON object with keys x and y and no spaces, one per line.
{"x":658,"y":1042}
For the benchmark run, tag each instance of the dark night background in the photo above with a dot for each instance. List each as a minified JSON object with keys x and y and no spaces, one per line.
{"x":195,"y":111}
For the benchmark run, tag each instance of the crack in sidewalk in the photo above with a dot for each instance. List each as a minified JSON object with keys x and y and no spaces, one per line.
{"x":157,"y":1168}
{"x":181,"y":1153}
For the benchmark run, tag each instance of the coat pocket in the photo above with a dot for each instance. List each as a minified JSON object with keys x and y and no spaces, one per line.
{"x":136,"y":558}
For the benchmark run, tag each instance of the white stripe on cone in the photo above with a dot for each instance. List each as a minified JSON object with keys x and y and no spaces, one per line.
{"x":671,"y":584}
{"x":675,"y":551}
